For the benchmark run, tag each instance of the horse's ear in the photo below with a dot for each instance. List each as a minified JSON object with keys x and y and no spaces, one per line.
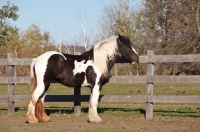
{"x":119,"y":37}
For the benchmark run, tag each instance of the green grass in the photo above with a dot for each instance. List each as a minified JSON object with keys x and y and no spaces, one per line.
{"x":115,"y":89}
{"x":113,"y":113}
{"x":114,"y":108}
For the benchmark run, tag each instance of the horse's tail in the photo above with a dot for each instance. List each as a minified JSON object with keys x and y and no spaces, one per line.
{"x":33,"y":80}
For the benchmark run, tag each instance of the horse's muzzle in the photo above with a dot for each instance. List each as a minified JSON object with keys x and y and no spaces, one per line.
{"x":134,"y":62}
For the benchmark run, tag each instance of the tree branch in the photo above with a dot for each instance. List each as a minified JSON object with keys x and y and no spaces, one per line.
{"x":198,"y":17}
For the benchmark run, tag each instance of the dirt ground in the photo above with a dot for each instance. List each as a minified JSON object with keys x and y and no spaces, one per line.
{"x":71,"y":123}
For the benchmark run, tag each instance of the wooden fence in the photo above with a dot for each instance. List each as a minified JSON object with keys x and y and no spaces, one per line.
{"x":77,"y":98}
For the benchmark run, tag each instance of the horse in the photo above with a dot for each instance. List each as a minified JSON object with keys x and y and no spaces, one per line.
{"x":91,"y":69}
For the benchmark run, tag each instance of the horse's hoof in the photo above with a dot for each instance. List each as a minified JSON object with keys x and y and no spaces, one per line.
{"x":46,"y":119}
{"x":95,"y":120}
{"x":31,"y":120}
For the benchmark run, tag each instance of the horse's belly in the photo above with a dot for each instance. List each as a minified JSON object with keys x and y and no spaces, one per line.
{"x":79,"y":80}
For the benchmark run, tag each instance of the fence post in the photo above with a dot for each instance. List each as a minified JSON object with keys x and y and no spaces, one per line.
{"x":149,"y":86}
{"x":11,"y":86}
{"x":77,"y":105}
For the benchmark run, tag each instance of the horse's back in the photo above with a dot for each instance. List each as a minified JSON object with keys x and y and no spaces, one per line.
{"x":48,"y":54}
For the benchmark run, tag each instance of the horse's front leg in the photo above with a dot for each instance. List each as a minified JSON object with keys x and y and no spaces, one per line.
{"x":92,"y":114}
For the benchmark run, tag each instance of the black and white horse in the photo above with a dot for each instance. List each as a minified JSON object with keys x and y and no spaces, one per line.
{"x":90,"y":69}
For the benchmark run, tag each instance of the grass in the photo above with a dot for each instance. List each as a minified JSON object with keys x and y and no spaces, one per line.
{"x":119,"y":114}
{"x":114,"y":89}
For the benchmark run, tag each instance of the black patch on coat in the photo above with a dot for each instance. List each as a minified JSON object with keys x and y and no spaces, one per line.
{"x":91,"y":76}
{"x":34,"y":73}
{"x":103,"y":80}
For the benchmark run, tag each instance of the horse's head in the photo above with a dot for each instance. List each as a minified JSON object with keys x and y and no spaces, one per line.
{"x":126,"y":51}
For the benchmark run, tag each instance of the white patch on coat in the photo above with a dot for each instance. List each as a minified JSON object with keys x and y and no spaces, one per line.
{"x":134,"y":50}
{"x":85,"y":83}
{"x":81,"y":67}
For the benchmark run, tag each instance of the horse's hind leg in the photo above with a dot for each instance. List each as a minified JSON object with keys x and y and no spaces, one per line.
{"x":30,"y":116}
{"x":40,"y":112}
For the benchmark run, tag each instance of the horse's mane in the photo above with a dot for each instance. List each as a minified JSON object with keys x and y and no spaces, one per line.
{"x":103,"y":52}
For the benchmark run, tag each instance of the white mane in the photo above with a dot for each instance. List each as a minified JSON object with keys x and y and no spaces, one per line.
{"x":104,"y":51}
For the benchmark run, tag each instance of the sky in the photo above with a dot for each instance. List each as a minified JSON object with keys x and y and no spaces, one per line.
{"x":59,"y":17}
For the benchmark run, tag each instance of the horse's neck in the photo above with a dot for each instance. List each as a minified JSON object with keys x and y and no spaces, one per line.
{"x":110,"y":64}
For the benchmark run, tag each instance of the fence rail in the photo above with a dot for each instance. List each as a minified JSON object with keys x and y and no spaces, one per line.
{"x":77,"y":98}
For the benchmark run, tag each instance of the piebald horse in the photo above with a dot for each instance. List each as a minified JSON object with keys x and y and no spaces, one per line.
{"x":91,"y":69}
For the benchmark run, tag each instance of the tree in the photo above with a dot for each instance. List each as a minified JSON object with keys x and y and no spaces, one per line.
{"x":7,"y":12}
{"x":35,"y":42}
{"x":171,"y":27}
{"x":32,"y":43}
{"x":85,"y":39}
{"x":118,"y":18}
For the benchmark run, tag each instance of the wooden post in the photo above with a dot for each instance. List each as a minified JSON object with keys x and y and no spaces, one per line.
{"x":77,"y":105}
{"x":11,"y":86}
{"x":149,"y":86}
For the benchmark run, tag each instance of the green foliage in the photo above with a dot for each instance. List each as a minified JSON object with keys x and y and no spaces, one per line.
{"x":8,"y":11}
{"x":29,"y":43}
{"x":34,"y":42}
{"x":26,"y":44}
{"x":118,"y":18}
{"x":6,"y":31}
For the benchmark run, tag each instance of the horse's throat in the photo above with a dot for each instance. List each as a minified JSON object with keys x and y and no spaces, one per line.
{"x":110,"y":64}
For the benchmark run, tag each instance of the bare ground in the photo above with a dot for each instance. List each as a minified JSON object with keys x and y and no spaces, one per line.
{"x":71,"y":123}
{"x":117,"y":117}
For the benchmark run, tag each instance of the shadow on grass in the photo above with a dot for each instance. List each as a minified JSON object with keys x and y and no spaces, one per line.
{"x":70,"y":110}
{"x":181,"y":112}
{"x":178,"y":114}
